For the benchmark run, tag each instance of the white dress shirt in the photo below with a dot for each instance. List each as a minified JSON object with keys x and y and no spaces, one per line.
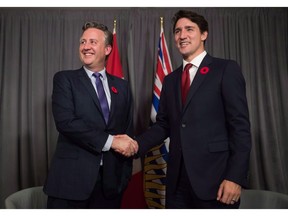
{"x":196,"y":63}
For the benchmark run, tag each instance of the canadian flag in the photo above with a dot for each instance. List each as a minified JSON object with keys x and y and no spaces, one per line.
{"x":133,"y":197}
{"x":113,"y":65}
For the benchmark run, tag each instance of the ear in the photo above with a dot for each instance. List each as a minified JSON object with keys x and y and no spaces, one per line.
{"x":108,"y":50}
{"x":204,"y":35}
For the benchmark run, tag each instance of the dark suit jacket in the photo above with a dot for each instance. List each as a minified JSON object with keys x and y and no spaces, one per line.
{"x":211,"y":131}
{"x":82,"y":135}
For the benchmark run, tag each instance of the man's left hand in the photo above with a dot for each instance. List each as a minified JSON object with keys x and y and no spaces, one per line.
{"x":229,"y":192}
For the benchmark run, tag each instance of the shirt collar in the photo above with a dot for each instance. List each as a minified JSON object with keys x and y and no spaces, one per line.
{"x":197,"y":60}
{"x":90,"y":73}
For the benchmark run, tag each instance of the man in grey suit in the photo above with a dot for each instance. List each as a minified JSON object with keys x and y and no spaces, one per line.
{"x":91,"y":167}
{"x":203,"y":109}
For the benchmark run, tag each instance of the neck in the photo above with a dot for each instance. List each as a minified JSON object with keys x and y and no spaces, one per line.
{"x":190,"y":56}
{"x":95,"y":69}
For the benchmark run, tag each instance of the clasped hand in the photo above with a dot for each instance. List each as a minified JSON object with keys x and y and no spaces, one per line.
{"x":124,"y":145}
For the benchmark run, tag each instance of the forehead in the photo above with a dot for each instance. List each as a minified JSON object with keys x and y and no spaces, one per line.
{"x":184,"y":22}
{"x":92,"y":33}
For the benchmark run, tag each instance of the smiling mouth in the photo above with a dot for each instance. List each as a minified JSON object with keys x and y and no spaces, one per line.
{"x":87,"y":54}
{"x":183,"y":44}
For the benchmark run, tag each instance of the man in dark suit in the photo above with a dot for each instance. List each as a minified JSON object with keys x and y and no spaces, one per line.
{"x":91,"y":167}
{"x":208,"y":125}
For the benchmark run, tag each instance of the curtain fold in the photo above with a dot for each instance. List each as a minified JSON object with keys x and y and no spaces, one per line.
{"x":38,"y":42}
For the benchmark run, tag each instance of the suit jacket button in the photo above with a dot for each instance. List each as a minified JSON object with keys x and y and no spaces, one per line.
{"x":183,"y":125}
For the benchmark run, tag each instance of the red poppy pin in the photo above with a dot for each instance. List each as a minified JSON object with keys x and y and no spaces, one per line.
{"x":114,"y":90}
{"x":204,"y":70}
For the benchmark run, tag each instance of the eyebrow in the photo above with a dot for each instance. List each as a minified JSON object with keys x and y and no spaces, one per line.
{"x":185,"y":27}
{"x":90,"y":39}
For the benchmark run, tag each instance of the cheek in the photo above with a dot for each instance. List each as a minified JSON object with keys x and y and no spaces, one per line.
{"x":196,"y":39}
{"x":176,"y":39}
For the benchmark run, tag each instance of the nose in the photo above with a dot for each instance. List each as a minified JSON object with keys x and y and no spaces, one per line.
{"x":183,"y":34}
{"x":86,"y":46}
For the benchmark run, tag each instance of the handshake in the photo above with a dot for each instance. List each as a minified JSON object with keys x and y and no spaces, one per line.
{"x":125,"y":145}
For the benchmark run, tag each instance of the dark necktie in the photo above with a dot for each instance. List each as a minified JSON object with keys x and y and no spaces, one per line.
{"x":102,"y":96}
{"x":185,"y":82}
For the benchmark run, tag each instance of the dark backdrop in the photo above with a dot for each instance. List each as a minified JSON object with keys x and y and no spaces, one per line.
{"x":35,"y":43}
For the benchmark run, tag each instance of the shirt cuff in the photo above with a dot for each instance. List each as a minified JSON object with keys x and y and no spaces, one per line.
{"x":108,"y":143}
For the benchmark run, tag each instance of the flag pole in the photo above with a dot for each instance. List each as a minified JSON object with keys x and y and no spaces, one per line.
{"x":113,"y":64}
{"x":114,"y":28}
{"x":161,"y":22}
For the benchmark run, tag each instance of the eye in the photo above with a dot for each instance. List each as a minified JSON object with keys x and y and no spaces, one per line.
{"x":93,"y":42}
{"x":176,"y":31}
{"x":82,"y":42}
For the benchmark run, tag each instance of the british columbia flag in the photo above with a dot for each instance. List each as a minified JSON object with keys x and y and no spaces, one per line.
{"x":155,"y":161}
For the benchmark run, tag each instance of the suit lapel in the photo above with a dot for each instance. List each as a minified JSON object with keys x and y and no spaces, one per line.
{"x":111,"y":83}
{"x":84,"y":79}
{"x":178,"y":86}
{"x":198,"y":79}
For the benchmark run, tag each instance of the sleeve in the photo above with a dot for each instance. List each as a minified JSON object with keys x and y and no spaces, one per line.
{"x":238,"y":124}
{"x":76,"y":128}
{"x":159,"y":131}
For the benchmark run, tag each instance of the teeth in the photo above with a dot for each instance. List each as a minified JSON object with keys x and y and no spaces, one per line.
{"x":183,"y":43}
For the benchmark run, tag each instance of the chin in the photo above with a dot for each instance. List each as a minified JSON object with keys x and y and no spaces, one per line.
{"x":87,"y":61}
{"x":183,"y":51}
{"x":185,"y":55}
